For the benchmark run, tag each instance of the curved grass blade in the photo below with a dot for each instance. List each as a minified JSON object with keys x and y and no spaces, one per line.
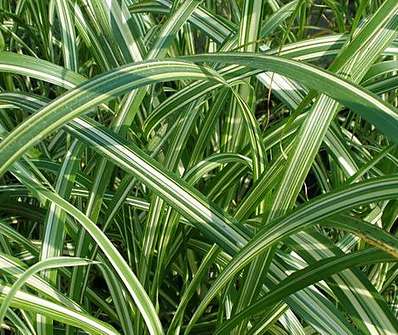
{"x":54,"y":262}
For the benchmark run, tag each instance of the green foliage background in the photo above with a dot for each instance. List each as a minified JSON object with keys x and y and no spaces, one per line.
{"x":198,"y":167}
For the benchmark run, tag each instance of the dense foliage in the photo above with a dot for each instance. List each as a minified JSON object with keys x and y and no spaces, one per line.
{"x":198,"y":167}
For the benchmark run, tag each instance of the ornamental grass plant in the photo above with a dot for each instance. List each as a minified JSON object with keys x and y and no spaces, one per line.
{"x":198,"y":167}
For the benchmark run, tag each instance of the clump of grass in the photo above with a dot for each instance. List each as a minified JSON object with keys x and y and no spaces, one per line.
{"x":198,"y":167}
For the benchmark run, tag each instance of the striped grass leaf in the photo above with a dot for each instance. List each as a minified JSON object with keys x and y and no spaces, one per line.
{"x":310,"y":214}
